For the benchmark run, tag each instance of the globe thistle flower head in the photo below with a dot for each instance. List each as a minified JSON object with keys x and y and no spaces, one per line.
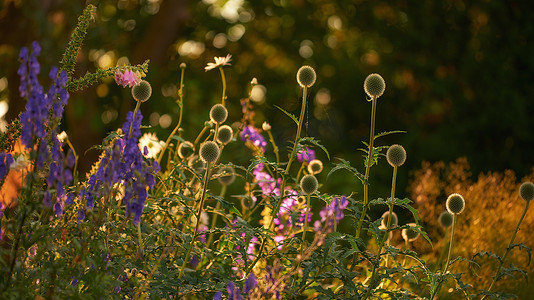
{"x":226,"y":175}
{"x":315,"y":167}
{"x":306,"y":76}
{"x":225,"y":134}
{"x":142,"y":91}
{"x":185,"y":149}
{"x":385,"y":218}
{"x":455,"y":204}
{"x":218,"y":113}
{"x":408,"y":234}
{"x":396,"y":155}
{"x":209,"y":151}
{"x":445,"y":219}
{"x":526,"y":191}
{"x":374,"y":85}
{"x":309,"y":184}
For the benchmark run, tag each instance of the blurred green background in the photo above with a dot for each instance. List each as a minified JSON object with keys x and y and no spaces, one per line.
{"x":458,"y":73}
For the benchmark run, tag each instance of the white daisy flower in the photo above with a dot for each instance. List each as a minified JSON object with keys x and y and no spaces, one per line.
{"x":152,"y":144}
{"x":219,"y":62}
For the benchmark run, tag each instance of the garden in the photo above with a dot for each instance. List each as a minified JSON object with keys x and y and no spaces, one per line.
{"x":199,"y":175}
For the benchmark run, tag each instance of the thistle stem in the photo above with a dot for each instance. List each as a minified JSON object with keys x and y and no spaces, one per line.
{"x":367,"y":167}
{"x":436,"y":291}
{"x":507,"y":249}
{"x":195,"y":232}
{"x":223,"y":78}
{"x":283,"y":184}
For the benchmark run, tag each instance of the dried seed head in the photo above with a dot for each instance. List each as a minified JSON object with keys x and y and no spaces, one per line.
{"x":225,"y":134}
{"x":396,"y":155}
{"x":409,"y":234}
{"x":142,"y":91}
{"x":226,"y":175}
{"x":209,"y":151}
{"x":218,"y":113}
{"x":526,"y":191}
{"x":385,"y":219}
{"x":306,"y":76}
{"x":374,"y":85}
{"x":445,"y":219}
{"x":315,"y":167}
{"x":185,"y":149}
{"x":309,"y":184}
{"x":455,"y":204}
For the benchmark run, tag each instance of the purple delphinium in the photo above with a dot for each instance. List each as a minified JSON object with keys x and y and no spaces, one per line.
{"x":250,"y":133}
{"x":234,"y":293}
{"x":5,"y":162}
{"x":306,"y":155}
{"x":331,"y":214}
{"x":124,"y":163}
{"x":40,"y":123}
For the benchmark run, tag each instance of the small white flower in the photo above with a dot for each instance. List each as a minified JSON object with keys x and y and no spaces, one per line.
{"x":219,"y":62}
{"x":62,"y":137}
{"x":266,"y":126}
{"x":254,"y":81}
{"x":20,"y":163}
{"x":152,"y":143}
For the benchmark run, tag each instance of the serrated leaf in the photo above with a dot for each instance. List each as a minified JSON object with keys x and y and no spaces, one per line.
{"x":289,"y":115}
{"x":345,"y":165}
{"x":384,"y":133}
{"x":316,"y":143}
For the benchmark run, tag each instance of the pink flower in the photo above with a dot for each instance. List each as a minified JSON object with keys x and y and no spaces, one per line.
{"x":127,"y":78}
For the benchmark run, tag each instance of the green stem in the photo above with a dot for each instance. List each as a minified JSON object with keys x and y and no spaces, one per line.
{"x":197,"y":140}
{"x":214,"y":219}
{"x":133,"y":118}
{"x":283,"y":184}
{"x":308,"y":207}
{"x":223,"y":78}
{"x":275,"y":148}
{"x":140,"y":238}
{"x":367,"y":167}
{"x":436,"y":291}
{"x":180,"y":104}
{"x":508,"y":249}
{"x":202,"y":198}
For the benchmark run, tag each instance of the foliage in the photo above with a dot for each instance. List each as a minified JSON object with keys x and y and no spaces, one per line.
{"x":151,"y":221}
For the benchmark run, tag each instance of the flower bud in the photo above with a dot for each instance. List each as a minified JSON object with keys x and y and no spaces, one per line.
{"x":374,"y":85}
{"x":142,"y":91}
{"x":209,"y":151}
{"x":306,"y":76}
{"x":226,"y":175}
{"x":309,"y":184}
{"x":225,"y":134}
{"x":315,"y":167}
{"x":455,"y":204}
{"x":445,"y":219}
{"x":526,"y":191}
{"x":396,"y":155}
{"x":218,"y":113}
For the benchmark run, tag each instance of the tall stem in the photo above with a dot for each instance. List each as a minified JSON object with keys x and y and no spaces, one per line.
{"x":507,"y":249}
{"x":450,"y":243}
{"x":283,"y":184}
{"x":367,"y":167}
{"x":133,"y":118}
{"x":202,"y":197}
{"x":223,"y":78}
{"x":181,"y":106}
{"x":308,"y":207}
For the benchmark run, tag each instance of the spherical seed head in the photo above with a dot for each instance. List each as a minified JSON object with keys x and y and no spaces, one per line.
{"x":218,"y":113}
{"x":209,"y":151}
{"x":445,"y":219}
{"x":374,"y":85}
{"x":408,"y":234}
{"x":315,"y":167}
{"x":309,"y":184}
{"x":526,"y":191}
{"x":455,"y":204}
{"x":142,"y":91}
{"x":225,"y":134}
{"x":396,"y":155}
{"x":385,"y":217}
{"x":306,"y":76}
{"x":185,"y":149}
{"x":227,"y":175}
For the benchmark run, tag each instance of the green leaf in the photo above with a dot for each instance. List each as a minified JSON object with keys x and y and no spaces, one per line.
{"x":345,"y":165}
{"x":381,"y":134}
{"x":315,"y":142}
{"x":289,"y":115}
